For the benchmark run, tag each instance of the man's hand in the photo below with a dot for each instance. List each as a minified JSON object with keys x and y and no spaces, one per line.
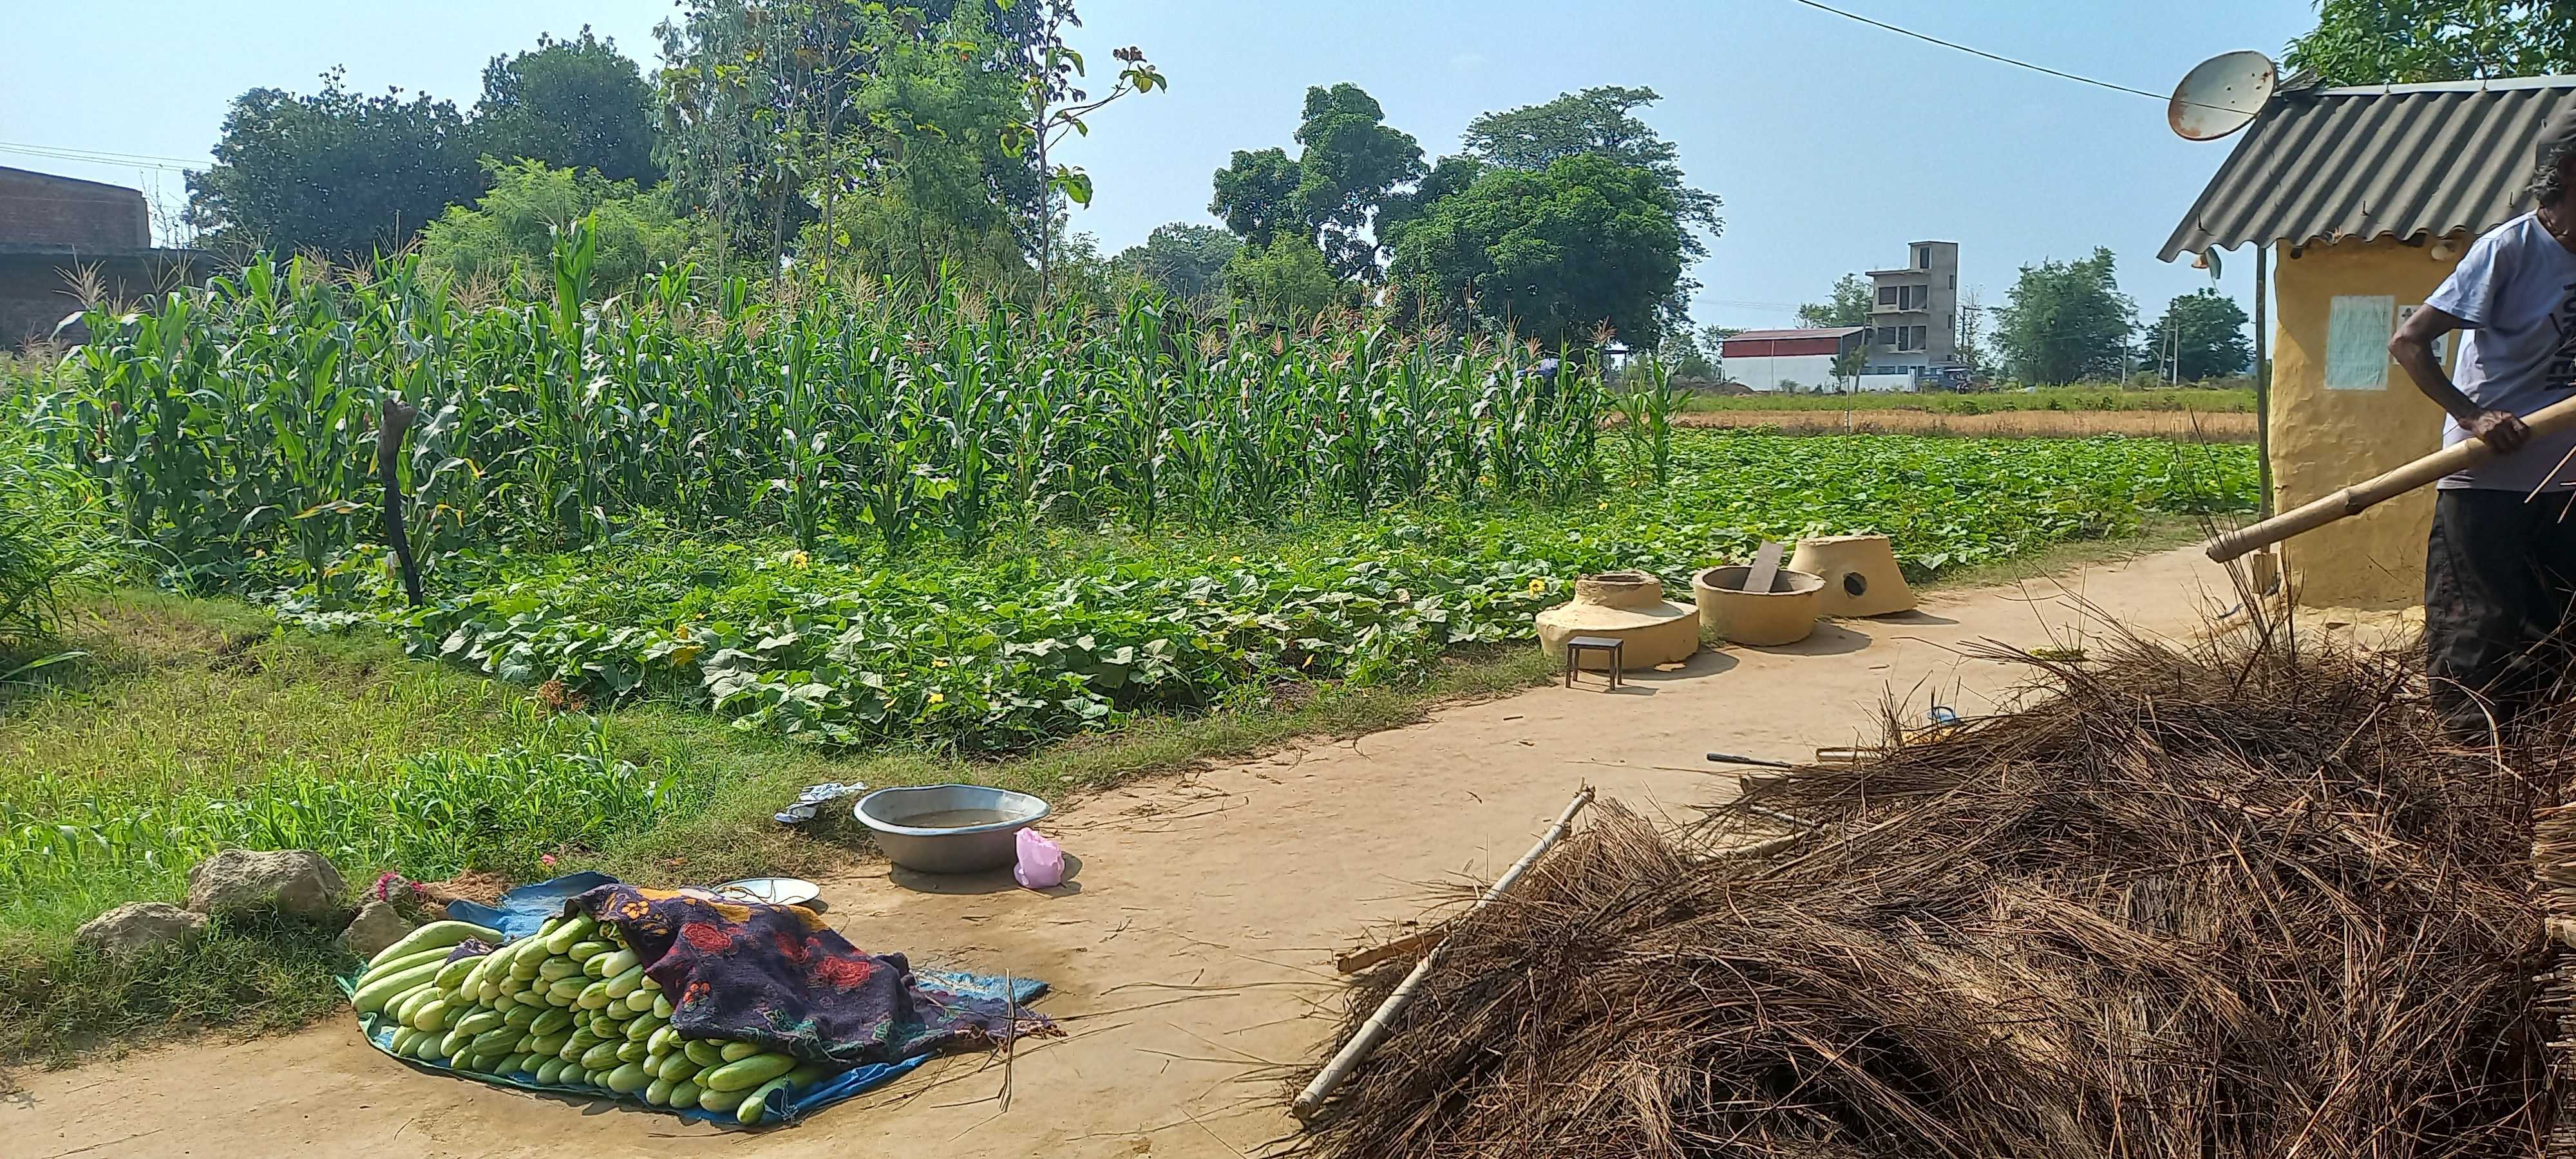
{"x":2500,"y":430}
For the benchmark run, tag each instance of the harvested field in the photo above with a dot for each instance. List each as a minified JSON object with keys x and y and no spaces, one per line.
{"x":2223,"y":427}
{"x":2240,"y":901}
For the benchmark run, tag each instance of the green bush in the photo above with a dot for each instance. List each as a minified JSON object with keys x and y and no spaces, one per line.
{"x":513,"y":228}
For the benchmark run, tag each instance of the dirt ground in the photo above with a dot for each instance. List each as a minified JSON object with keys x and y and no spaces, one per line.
{"x":2219,"y":427}
{"x":1191,"y":954}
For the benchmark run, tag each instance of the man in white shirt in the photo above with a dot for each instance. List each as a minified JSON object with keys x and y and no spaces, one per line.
{"x":2500,"y":570}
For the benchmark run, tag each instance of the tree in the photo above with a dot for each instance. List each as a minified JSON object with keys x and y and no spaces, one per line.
{"x":2410,"y":41}
{"x":1971,"y":346}
{"x":2066,"y":322}
{"x":1553,"y":255}
{"x":513,"y":227}
{"x":1601,"y":122}
{"x":1187,"y":261}
{"x":573,"y":104}
{"x":334,"y":171}
{"x":1682,"y":351}
{"x":1256,"y":194}
{"x":1848,"y":305}
{"x":753,"y":93}
{"x":1349,"y":166}
{"x":1052,"y":105}
{"x":2204,"y":331}
{"x":1849,"y":364}
{"x":1404,"y":207}
{"x":770,"y":107}
{"x":1352,"y":160}
{"x":912,"y":179}
{"x":1286,"y":282}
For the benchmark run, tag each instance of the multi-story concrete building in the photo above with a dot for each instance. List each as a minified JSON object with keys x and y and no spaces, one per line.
{"x":1914,"y":317}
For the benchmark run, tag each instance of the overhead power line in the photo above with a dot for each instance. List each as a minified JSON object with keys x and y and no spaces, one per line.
{"x":102,"y":156}
{"x":1958,"y":47}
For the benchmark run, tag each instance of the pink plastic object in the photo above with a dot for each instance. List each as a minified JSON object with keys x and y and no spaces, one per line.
{"x":1041,"y":861}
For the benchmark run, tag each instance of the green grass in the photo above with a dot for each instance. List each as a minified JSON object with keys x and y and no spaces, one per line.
{"x":2060,"y":398}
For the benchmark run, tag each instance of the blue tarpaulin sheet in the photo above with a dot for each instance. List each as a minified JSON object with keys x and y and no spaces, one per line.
{"x":522,"y":910}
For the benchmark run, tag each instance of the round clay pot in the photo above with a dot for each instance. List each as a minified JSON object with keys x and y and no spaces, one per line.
{"x":1783,"y":615}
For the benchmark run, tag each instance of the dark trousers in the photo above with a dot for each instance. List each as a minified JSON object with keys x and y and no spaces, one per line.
{"x":2499,"y":579}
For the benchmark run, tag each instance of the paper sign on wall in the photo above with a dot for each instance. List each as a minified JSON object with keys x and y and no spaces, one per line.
{"x":2358,"y":327}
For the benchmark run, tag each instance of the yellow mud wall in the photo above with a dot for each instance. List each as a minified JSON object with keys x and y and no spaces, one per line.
{"x":2324,"y":440}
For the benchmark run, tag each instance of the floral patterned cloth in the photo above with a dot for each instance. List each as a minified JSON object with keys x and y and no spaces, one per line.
{"x":777,"y":976}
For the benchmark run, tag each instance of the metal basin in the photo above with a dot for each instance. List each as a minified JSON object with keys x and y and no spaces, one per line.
{"x":896,"y":816}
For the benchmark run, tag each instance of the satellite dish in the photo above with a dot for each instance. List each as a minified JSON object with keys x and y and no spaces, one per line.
{"x":2222,"y":95}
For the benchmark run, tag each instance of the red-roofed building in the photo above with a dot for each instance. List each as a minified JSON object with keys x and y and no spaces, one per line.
{"x":1771,"y":360}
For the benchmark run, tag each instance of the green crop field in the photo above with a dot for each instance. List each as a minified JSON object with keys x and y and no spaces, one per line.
{"x":2206,"y":400}
{"x":692,"y":548}
{"x":1005,"y":649}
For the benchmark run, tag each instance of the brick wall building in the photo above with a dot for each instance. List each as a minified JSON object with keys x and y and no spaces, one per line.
{"x":55,"y":229}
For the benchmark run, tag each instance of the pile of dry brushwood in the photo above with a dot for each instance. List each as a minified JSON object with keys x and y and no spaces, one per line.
{"x":2240,"y":901}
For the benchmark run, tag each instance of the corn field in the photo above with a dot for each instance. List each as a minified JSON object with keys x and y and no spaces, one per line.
{"x":238,"y":423}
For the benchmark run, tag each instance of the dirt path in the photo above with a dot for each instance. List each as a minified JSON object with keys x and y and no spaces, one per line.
{"x":2221,"y":427}
{"x":1191,"y":957}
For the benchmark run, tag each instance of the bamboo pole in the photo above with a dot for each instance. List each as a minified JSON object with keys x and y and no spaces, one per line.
{"x":2369,"y":493}
{"x":2263,"y":378}
{"x":1375,"y":1029}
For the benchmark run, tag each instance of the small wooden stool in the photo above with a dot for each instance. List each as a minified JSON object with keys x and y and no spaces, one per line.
{"x":1577,"y":646}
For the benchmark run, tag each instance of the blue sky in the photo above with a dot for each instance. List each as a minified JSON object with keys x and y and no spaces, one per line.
{"x":1833,"y":144}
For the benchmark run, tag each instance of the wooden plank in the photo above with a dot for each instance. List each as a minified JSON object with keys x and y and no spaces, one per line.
{"x":1766,"y":568}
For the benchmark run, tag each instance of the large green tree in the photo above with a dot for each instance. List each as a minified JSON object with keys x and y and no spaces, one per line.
{"x":1601,"y":121}
{"x":333,"y":171}
{"x":1256,"y":194}
{"x":921,"y":179}
{"x":775,"y":110}
{"x":513,"y":227}
{"x":2411,"y":41}
{"x":573,"y":104}
{"x":1848,"y":304}
{"x":1352,"y":160}
{"x":1349,"y":164}
{"x":1553,"y":254}
{"x":1187,"y":261}
{"x":2204,"y":333}
{"x":1404,"y":207}
{"x":2066,"y":322}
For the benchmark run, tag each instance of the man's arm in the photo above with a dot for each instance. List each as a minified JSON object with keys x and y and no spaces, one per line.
{"x":2412,"y":347}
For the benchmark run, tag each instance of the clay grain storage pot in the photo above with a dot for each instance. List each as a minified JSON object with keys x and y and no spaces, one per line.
{"x":1624,"y":605}
{"x":1783,"y":615}
{"x":1860,"y":574}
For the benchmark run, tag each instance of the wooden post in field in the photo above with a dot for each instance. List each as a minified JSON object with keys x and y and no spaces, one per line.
{"x":390,"y":431}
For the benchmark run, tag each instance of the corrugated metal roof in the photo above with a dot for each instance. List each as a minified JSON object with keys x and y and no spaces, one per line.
{"x":2381,"y":160}
{"x":1778,"y":335}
